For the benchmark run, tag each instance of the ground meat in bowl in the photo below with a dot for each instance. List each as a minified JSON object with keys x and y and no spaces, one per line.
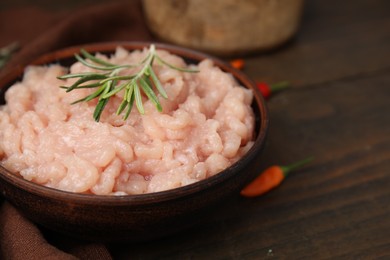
{"x":206,"y":125}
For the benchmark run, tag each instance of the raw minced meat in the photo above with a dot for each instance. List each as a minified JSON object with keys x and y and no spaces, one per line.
{"x":206,"y":125}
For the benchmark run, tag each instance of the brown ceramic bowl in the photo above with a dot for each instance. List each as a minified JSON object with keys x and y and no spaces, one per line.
{"x":132,"y":217}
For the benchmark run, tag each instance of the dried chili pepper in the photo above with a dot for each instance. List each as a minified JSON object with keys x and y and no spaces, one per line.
{"x":268,"y":89}
{"x":237,"y":63}
{"x":271,"y":178}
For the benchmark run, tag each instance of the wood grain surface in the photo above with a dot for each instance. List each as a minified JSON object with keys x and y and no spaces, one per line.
{"x":337,"y":110}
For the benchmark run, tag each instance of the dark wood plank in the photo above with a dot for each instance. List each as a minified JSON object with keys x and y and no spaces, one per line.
{"x":336,"y":207}
{"x":337,"y":40}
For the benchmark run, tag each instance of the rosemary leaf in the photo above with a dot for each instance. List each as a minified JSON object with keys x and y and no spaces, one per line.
{"x":130,"y":92}
{"x":107,"y":88}
{"x":77,"y":75}
{"x":99,"y":109}
{"x":138,"y":99}
{"x":85,"y":79}
{"x":94,"y":66}
{"x":129,"y":108}
{"x":80,"y":100}
{"x":114,"y":91}
{"x":93,"y":95}
{"x":157,"y":83}
{"x":149,"y":93}
{"x":118,"y":78}
{"x":95,"y":59}
{"x":92,"y":85}
{"x":174,"y":67}
{"x":122,"y":106}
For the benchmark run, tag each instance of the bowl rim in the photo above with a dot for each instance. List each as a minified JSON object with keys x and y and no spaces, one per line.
{"x":147,"y":198}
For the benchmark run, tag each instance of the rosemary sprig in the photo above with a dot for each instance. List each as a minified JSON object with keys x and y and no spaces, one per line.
{"x":108,"y":82}
{"x":7,"y":51}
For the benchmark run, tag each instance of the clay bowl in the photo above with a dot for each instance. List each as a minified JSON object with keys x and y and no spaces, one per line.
{"x":132,"y":217}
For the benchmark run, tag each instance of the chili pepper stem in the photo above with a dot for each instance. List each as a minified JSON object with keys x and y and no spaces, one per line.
{"x":279,"y":86}
{"x":291,"y":167}
{"x":237,"y":63}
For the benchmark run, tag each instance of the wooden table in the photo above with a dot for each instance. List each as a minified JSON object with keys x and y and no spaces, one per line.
{"x":338,"y":110}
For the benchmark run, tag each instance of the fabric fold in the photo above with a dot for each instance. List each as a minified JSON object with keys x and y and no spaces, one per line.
{"x":117,"y":21}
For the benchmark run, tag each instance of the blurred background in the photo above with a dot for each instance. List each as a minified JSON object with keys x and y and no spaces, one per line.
{"x":334,"y":53}
{"x":219,"y":27}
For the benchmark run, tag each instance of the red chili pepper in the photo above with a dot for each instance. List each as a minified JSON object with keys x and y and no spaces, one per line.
{"x":267,"y":90}
{"x":270,"y":178}
{"x":237,"y":63}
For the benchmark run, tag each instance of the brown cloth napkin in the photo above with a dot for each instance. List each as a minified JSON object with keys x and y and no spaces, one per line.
{"x":21,"y":239}
{"x":117,"y":21}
